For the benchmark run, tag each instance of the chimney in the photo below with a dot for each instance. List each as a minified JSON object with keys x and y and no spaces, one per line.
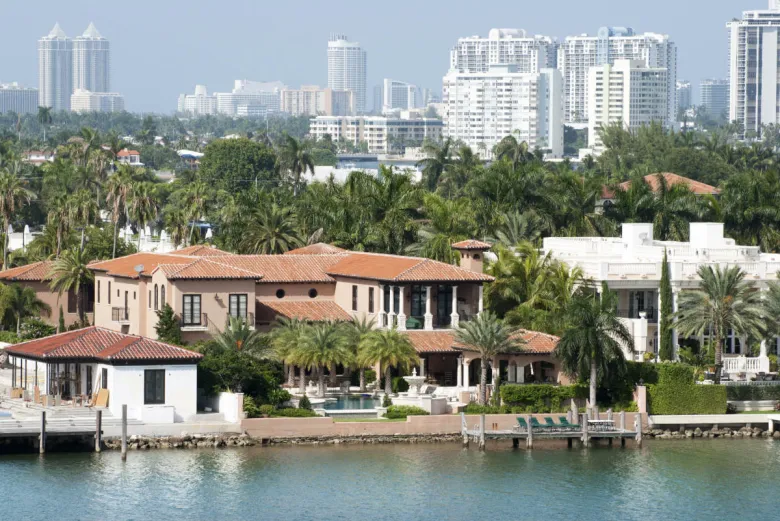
{"x":471,"y":254}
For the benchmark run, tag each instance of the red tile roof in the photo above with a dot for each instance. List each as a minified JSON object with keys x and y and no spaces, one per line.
{"x":35,"y":272}
{"x":125,"y":266}
{"x":200,"y":250}
{"x":105,"y":345}
{"x":312,"y":310}
{"x":402,"y":269}
{"x":319,"y":248}
{"x":471,"y":244}
{"x":126,"y":153}
{"x":444,"y":342}
{"x":696,"y":187}
{"x":205,"y":268}
{"x":285,"y":268}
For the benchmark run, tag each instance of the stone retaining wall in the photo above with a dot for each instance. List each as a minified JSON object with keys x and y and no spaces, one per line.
{"x":726,"y":432}
{"x":185,"y":441}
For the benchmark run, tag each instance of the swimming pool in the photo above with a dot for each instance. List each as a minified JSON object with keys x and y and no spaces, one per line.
{"x":351,"y":402}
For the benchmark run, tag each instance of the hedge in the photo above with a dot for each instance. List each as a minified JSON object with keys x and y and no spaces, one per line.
{"x":749,"y":393}
{"x":395,"y":412}
{"x":399,"y":384}
{"x":540,"y":398}
{"x":677,"y":393}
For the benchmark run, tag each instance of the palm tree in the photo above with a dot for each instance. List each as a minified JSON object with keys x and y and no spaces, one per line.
{"x":438,"y":160}
{"x":70,"y":273}
{"x":143,"y":206}
{"x":13,"y":195}
{"x":296,"y":158}
{"x":322,"y":345}
{"x":241,"y":336}
{"x":722,"y":302}
{"x":176,"y":224}
{"x":23,"y":302}
{"x":44,"y":119}
{"x":389,"y":349}
{"x":271,"y":230}
{"x":358,"y":331}
{"x":516,"y":152}
{"x":595,"y":338}
{"x":118,"y":188}
{"x":196,"y":198}
{"x":489,"y":336}
{"x":285,"y":337}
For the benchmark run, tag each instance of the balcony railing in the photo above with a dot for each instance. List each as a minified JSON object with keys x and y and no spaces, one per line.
{"x":195,"y":321}
{"x":651,"y":314}
{"x":120,"y":315}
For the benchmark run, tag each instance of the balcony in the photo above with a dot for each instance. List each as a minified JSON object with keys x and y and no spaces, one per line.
{"x":195,"y":322}
{"x":120,"y":315}
{"x":651,"y":314}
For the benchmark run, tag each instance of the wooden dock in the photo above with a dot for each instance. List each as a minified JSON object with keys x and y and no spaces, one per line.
{"x":585,"y":432}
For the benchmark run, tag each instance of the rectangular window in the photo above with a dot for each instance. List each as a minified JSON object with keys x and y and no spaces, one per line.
{"x":354,"y":298}
{"x":71,"y":301}
{"x":418,"y":301}
{"x":98,"y":292}
{"x":154,"y":386}
{"x":370,"y":300}
{"x":150,"y":299}
{"x":238,"y":305}
{"x":191,"y":310}
{"x":386,"y":298}
{"x":104,"y":379}
{"x":109,"y":292}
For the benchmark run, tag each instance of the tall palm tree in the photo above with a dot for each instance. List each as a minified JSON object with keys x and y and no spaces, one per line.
{"x":118,"y":188}
{"x":389,"y":349}
{"x":13,"y":195}
{"x":438,"y":160}
{"x":144,"y":206}
{"x":196,"y":199}
{"x":70,"y":273}
{"x":722,"y":302}
{"x":241,"y":336}
{"x":44,"y":119}
{"x":322,"y":345}
{"x":358,"y":331}
{"x":23,"y":302}
{"x":296,"y":158}
{"x":595,"y":338}
{"x":489,"y":336}
{"x":271,"y":230}
{"x":176,"y":225}
{"x":516,"y":152}
{"x":285,"y":337}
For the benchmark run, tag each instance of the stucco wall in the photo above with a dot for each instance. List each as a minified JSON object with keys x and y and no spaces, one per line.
{"x":267,"y":291}
{"x":103,"y":309}
{"x":214,"y":301}
{"x":343,"y":297}
{"x":44,"y":293}
{"x":126,"y":386}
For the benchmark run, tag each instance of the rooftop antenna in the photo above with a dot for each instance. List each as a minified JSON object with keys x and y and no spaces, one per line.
{"x":139,"y":268}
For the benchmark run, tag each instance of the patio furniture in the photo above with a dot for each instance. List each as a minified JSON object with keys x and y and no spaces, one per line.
{"x":536,"y":425}
{"x":521,"y":424}
{"x":550,"y":423}
{"x":601,"y":425}
{"x":568,"y":426}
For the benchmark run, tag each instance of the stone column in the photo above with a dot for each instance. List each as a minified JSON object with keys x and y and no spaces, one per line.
{"x":675,"y":296}
{"x":454,"y":316}
{"x":520,"y":374}
{"x":466,"y":379}
{"x":382,"y":311}
{"x":510,"y":372}
{"x":658,"y":327}
{"x":428,"y":314}
{"x":401,"y":314}
{"x":422,"y":366}
{"x":480,"y":302}
{"x":496,"y":366}
{"x":391,"y":314}
{"x":460,"y":371}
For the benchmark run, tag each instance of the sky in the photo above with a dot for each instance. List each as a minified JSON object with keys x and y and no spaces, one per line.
{"x":161,"y":48}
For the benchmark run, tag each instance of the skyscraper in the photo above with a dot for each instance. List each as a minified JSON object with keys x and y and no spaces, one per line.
{"x":347,"y":68}
{"x":715,"y":98}
{"x":753,"y":68}
{"x":503,"y":47}
{"x":55,"y":66}
{"x":91,"y":61}
{"x":684,"y":101}
{"x":400,"y":96}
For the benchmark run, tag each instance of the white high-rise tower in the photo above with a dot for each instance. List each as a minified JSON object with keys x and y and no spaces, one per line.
{"x":91,"y":61}
{"x":55,"y":66}
{"x":347,"y":68}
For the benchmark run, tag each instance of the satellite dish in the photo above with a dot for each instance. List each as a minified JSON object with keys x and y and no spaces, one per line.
{"x":139,"y":268}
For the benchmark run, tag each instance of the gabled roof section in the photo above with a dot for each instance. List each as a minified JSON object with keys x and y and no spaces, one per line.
{"x":126,"y":266}
{"x":207,"y":269}
{"x":105,"y":345}
{"x":200,"y":250}
{"x":697,"y":187}
{"x":311,"y":310}
{"x":286,"y":268}
{"x":35,"y":272}
{"x":394,"y":268}
{"x":444,"y":342}
{"x":319,"y":248}
{"x":471,"y":244}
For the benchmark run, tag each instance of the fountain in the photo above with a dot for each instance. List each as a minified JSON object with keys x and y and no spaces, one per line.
{"x":415,"y":382}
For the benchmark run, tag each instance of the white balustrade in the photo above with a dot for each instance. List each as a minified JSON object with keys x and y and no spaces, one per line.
{"x":632,"y":268}
{"x":743,"y":364}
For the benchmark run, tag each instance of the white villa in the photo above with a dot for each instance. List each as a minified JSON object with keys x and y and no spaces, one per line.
{"x":631,"y":266}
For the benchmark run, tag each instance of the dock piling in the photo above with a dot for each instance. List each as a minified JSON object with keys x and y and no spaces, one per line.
{"x":124,"y":432}
{"x":98,"y":429}
{"x":482,"y":432}
{"x":42,"y":445}
{"x":638,"y":428}
{"x":529,"y":441}
{"x":585,"y":435}
{"x":464,"y":429}
{"x":622,"y":420}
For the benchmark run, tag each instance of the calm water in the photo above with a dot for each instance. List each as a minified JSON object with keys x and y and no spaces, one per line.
{"x":352,"y":402}
{"x":688,"y":480}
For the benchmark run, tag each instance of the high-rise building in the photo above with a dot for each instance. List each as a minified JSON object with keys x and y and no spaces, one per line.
{"x":347,"y":68}
{"x":379,"y":97}
{"x":400,"y":96}
{"x":91,"y":61}
{"x":14,"y":98}
{"x":684,"y":92}
{"x":382,"y":135}
{"x":55,"y":68}
{"x":311,"y":100}
{"x":266,"y":96}
{"x":753,"y":66}
{"x":85,"y":101}
{"x":577,"y":54}
{"x":503,"y":47}
{"x":627,"y":92}
{"x":198,"y":104}
{"x":482,"y":108}
{"x":715,"y":98}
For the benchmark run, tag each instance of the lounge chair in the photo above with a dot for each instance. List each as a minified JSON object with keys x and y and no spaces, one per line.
{"x":521,"y":424}
{"x":550,"y":423}
{"x":566,"y":425}
{"x":536,"y":425}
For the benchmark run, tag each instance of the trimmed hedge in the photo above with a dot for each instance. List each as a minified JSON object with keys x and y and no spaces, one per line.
{"x":540,"y":398}
{"x":400,"y":385}
{"x":291,"y":412}
{"x":395,"y":412}
{"x":749,"y":393}
{"x":677,"y":393}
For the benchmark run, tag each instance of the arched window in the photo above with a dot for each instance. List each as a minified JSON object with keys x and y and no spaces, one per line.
{"x":156,"y":297}
{"x":162,"y":296}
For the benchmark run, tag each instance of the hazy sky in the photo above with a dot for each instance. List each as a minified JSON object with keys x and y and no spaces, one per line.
{"x":161,"y":48}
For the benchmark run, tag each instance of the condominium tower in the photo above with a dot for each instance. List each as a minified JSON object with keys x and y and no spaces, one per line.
{"x":86,"y":101}
{"x":251,"y":98}
{"x":577,"y":54}
{"x":482,"y":108}
{"x":17,"y":99}
{"x":715,"y":98}
{"x":684,"y":92}
{"x":398,"y":95}
{"x":347,"y":68}
{"x":91,"y":61}
{"x":503,"y":47}
{"x":198,"y":104}
{"x":753,"y":68}
{"x":55,"y":69}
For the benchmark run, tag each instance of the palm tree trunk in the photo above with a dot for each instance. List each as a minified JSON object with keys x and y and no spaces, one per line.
{"x":362,"y":379}
{"x":79,"y":306}
{"x":291,"y":376}
{"x":302,"y":382}
{"x":5,"y":243}
{"x":332,"y":371}
{"x":593,"y":378}
{"x":321,"y":380}
{"x":116,"y":223}
{"x":718,"y":358}
{"x":483,"y":382}
{"x":18,"y":324}
{"x":388,"y":382}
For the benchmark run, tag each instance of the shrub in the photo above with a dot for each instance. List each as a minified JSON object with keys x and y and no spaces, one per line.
{"x":395,"y":412}
{"x":291,"y":412}
{"x":773,"y":363}
{"x":400,"y":385}
{"x":541,"y":398}
{"x":677,"y":393}
{"x":749,"y":393}
{"x":386,"y":401}
{"x":278,"y":396}
{"x":266,"y":410}
{"x":475,"y":408}
{"x":35,"y":328}
{"x":304,"y":403}
{"x":354,"y":378}
{"x":9,"y":337}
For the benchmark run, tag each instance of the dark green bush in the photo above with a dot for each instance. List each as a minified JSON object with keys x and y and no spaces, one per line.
{"x":291,"y":412}
{"x":749,"y":393}
{"x":354,"y":378}
{"x":395,"y":412}
{"x":266,"y":410}
{"x":677,"y":393}
{"x":386,"y":401}
{"x":304,"y":403}
{"x":540,"y":398}
{"x":400,"y":385}
{"x":9,"y":337}
{"x":278,"y":396}
{"x":475,"y":408}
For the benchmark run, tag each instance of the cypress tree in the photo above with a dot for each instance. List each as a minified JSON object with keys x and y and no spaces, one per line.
{"x":61,"y":323}
{"x":666,"y":350}
{"x":168,"y":328}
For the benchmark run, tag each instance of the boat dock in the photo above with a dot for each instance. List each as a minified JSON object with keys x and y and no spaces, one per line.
{"x":528,"y":429}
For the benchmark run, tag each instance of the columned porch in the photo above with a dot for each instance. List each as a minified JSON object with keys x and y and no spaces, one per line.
{"x":428,"y":307}
{"x":462,"y":370}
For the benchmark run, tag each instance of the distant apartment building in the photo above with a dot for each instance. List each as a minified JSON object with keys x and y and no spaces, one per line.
{"x":503,"y":47}
{"x":55,"y":70}
{"x":85,"y":101}
{"x":684,"y":92}
{"x":628,"y":92}
{"x":91,"y":61}
{"x":482,"y":108}
{"x":715,"y":98}
{"x":252,"y":95}
{"x":379,"y":97}
{"x":381,"y":134}
{"x":753,"y":64}
{"x":398,"y":95}
{"x":198,"y":104}
{"x":577,"y":54}
{"x":17,"y":99}
{"x":347,"y":68}
{"x":311,"y":100}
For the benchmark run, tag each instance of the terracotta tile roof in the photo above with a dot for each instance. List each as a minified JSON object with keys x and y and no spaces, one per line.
{"x":200,"y":250}
{"x":471,"y":244}
{"x":206,"y":268}
{"x":317,"y":249}
{"x":402,"y":269}
{"x":96,"y":343}
{"x":285,"y":268}
{"x":37,"y":271}
{"x":696,"y":187}
{"x":313,"y":310}
{"x":125,"y":266}
{"x":126,"y":153}
{"x":444,"y":342}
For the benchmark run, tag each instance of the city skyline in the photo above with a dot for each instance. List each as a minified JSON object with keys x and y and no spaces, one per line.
{"x":204,"y":39}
